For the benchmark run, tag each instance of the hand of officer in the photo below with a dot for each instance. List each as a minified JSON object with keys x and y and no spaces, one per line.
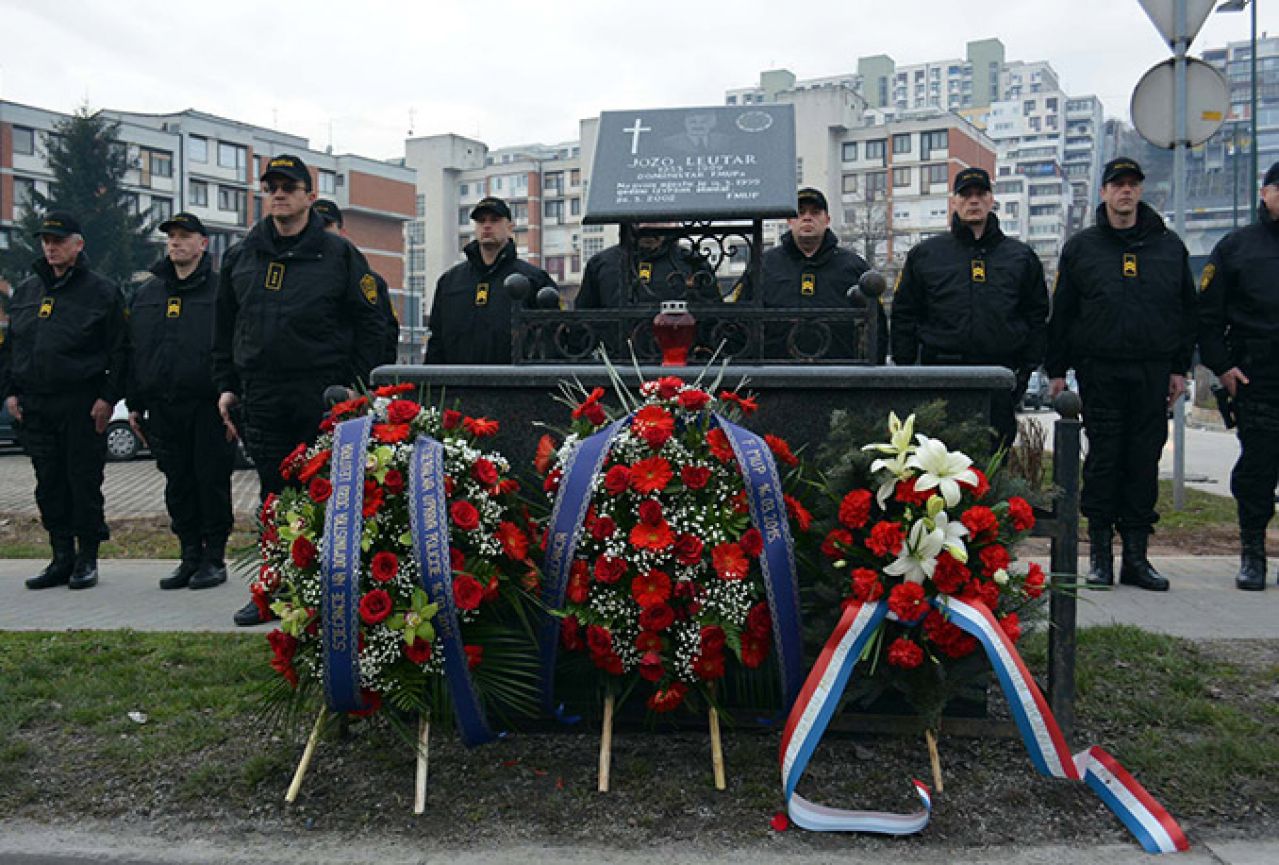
{"x":1230,"y":380}
{"x":227,"y":401}
{"x":135,"y":424}
{"x":14,"y":407}
{"x":101,"y":414}
{"x":1055,"y":387}
{"x":1176,"y":388}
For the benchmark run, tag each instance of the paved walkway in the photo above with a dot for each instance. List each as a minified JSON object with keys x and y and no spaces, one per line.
{"x":1203,"y":603}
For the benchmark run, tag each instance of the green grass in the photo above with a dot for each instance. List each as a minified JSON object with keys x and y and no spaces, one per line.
{"x":1201,"y":509}
{"x":24,"y":538}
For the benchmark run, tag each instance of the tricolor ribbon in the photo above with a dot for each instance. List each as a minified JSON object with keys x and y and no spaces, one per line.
{"x":768,"y":514}
{"x":1153,"y":826}
{"x":428,"y":522}
{"x":340,"y":567}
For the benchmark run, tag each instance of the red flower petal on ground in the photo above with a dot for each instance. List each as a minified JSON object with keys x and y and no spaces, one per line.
{"x":514,"y":542}
{"x":905,"y":654}
{"x":474,"y":656}
{"x":730,"y":562}
{"x":467,"y":592}
{"x":480,"y":427}
{"x":419,"y":652}
{"x":303,"y":552}
{"x":384,"y":566}
{"x":651,"y":475}
{"x":319,"y":489}
{"x":752,"y":542}
{"x":695,"y":477}
{"x":781,"y":449}
{"x":464,"y":515}
{"x":908,"y":601}
{"x":885,"y":538}
{"x":866,"y":585}
{"x":688,"y":549}
{"x":651,"y":588}
{"x":854,"y":509}
{"x":656,"y":538}
{"x":654,"y":425}
{"x":803,"y":519}
{"x":375,"y":606}
{"x":718,"y":443}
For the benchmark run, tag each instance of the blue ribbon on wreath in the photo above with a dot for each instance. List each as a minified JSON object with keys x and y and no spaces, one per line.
{"x":428,"y":522}
{"x":768,"y":514}
{"x":340,"y":567}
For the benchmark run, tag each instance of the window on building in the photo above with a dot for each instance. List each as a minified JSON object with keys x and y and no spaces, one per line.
{"x":875,"y":149}
{"x":1013,"y":209}
{"x":554,"y":183}
{"x":850,"y":151}
{"x":132,"y":203}
{"x":232,"y":200}
{"x":24,"y":140}
{"x":934,"y":176}
{"x":1050,"y":104}
{"x":850,"y":183}
{"x":417,"y":260}
{"x":876,"y":183}
{"x":464,"y":216}
{"x":1028,"y":107}
{"x":901,"y":177}
{"x":732,"y":100}
{"x":231,"y":155}
{"x":24,"y":191}
{"x":161,"y":163}
{"x":1034,"y":124}
{"x":931,"y":143}
{"x":575,"y":177}
{"x":901,"y":143}
{"x":328,"y":182}
{"x":415,"y":232}
{"x":553,"y":210}
{"x":463,"y":189}
{"x":198,"y":148}
{"x":575,"y":207}
{"x":519,"y":212}
{"x":198,"y":190}
{"x":161,"y":209}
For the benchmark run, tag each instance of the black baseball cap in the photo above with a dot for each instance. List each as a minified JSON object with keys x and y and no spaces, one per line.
{"x":1117,"y":168}
{"x":289,"y":166}
{"x":328,"y":209}
{"x":184,"y":220}
{"x":809,"y":195}
{"x":491,"y":204}
{"x":971,"y":177}
{"x":1272,"y":176}
{"x":58,"y":223}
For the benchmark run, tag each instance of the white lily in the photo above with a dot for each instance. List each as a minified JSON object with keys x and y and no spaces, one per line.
{"x":940,"y":468}
{"x":953,"y":533}
{"x":918,"y":558}
{"x":899,"y":448}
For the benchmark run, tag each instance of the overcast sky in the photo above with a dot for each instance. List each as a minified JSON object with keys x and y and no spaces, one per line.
{"x":520,"y":72}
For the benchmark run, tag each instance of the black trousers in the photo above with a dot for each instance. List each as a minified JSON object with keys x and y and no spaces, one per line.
{"x":1252,"y":482}
{"x":68,"y":456}
{"x":278,"y":415}
{"x":1126,"y":419}
{"x":190,"y":447}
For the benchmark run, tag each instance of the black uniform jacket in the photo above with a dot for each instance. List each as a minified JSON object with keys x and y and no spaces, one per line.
{"x":306,"y":309}
{"x":960,"y":299}
{"x":665,"y":271}
{"x":792,"y":280}
{"x":390,"y":323}
{"x":1239,"y":301}
{"x":1123,"y":296}
{"x":65,"y":334}
{"x":171,"y":337}
{"x":471,"y":311}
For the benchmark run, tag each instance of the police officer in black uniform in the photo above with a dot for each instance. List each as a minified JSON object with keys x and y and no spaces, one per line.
{"x":62,"y":369}
{"x":1124,"y":318}
{"x":808,"y":269}
{"x":662,"y":269}
{"x":471,"y":310}
{"x":334,"y":222}
{"x":171,"y":384}
{"x":296,"y":313}
{"x":1239,"y":341}
{"x":973,"y":297}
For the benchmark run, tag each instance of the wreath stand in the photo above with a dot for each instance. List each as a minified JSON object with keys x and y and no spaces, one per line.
{"x":606,"y":746}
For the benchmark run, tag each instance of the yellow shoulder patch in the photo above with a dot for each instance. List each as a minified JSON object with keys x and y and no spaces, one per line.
{"x":368,"y":285}
{"x":1210,"y":271}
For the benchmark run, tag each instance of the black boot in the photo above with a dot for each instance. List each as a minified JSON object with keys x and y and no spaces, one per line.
{"x":212,"y":571}
{"x":182,"y":574}
{"x":1252,"y":555}
{"x":1135,"y":569}
{"x":85,"y":575}
{"x":58,"y":571}
{"x":1101,"y":555}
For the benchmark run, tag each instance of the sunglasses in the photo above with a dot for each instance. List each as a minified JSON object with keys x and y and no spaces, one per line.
{"x":286,"y":186}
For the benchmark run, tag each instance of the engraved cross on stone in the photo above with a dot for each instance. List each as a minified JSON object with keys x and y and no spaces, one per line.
{"x":635,"y":134}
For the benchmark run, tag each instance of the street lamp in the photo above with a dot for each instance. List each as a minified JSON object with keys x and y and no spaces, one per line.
{"x":1238,"y":6}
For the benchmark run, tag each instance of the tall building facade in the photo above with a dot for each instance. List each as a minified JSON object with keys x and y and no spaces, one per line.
{"x":209,"y":166}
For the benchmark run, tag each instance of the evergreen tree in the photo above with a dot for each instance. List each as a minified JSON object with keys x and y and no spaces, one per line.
{"x":88,"y":163}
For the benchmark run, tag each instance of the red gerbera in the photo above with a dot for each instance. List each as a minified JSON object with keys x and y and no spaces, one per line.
{"x":384,"y":566}
{"x":667,"y":386}
{"x":718,"y":443}
{"x":752,"y":542}
{"x":579,"y":582}
{"x":545,"y":453}
{"x":289,"y":465}
{"x":480,"y":427}
{"x":514,"y":542}
{"x":654,"y":425}
{"x":651,"y":475}
{"x":647,"y":641}
{"x":390,"y":433}
{"x":658,"y":617}
{"x":759,"y":621}
{"x":652,"y":537}
{"x":708,"y":668}
{"x":693,"y":399}
{"x":651,"y":588}
{"x":754,"y":649}
{"x":314,"y":465}
{"x":854,"y":510}
{"x":730,"y":562}
{"x":592,"y":399}
{"x":650,"y":667}
{"x":390,"y":390}
{"x":803,"y":519}
{"x":375,"y":606}
{"x":451,"y":419}
{"x":781,"y":449}
{"x":747,"y":404}
{"x":349,"y":406}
